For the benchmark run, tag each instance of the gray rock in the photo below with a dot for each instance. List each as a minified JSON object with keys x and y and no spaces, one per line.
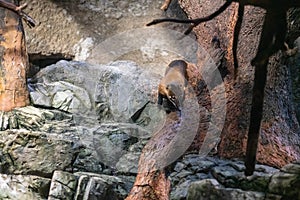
{"x":198,"y":163}
{"x":24,"y":187}
{"x":128,"y":163}
{"x":213,"y":171}
{"x":205,"y":189}
{"x":67,"y":86}
{"x":210,"y":189}
{"x":98,"y":186}
{"x":180,"y":191}
{"x":29,"y":118}
{"x":183,"y":174}
{"x":179,"y":166}
{"x":273,"y":197}
{"x":119,"y":145}
{"x":285,"y":184}
{"x":8,"y":120}
{"x":292,"y":168}
{"x":84,"y":185}
{"x":63,"y":186}
{"x":35,"y":153}
{"x":87,"y":160}
{"x":221,"y":173}
{"x":111,"y":92}
{"x":266,"y":169}
{"x":230,"y":177}
{"x":130,"y":86}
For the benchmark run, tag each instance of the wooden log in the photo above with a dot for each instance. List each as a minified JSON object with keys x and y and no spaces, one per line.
{"x":14,"y":62}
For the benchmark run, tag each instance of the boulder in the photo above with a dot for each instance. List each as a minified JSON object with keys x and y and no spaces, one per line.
{"x":84,"y":185}
{"x":24,"y":187}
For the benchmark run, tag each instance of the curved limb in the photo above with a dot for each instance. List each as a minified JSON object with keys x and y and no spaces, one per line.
{"x":195,"y":22}
{"x":19,"y":10}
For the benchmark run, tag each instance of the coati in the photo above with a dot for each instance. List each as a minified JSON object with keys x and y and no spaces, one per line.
{"x":173,"y":84}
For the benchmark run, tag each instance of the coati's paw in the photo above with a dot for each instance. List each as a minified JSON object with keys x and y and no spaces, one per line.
{"x":290,"y":52}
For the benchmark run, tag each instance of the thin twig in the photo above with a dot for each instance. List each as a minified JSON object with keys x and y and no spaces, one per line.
{"x":19,"y":10}
{"x":194,"y":22}
{"x":237,"y":30}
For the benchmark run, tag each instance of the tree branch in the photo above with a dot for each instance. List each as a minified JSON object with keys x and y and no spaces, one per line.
{"x":195,"y":22}
{"x":19,"y":10}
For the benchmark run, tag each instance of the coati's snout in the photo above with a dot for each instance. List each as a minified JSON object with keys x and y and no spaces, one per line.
{"x":175,"y":94}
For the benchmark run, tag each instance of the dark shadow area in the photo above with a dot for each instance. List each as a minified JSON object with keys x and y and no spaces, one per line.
{"x":40,"y":61}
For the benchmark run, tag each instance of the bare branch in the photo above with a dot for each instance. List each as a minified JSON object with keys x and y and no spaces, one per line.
{"x":272,"y":39}
{"x":19,"y":10}
{"x":195,"y":22}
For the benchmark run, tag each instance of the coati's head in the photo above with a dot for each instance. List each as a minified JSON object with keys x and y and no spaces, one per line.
{"x":175,"y":94}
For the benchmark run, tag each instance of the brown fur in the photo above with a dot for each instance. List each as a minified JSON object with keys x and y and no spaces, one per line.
{"x":173,"y":84}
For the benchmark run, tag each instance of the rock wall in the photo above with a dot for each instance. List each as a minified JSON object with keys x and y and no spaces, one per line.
{"x":77,"y":151}
{"x":294,"y":64}
{"x":73,"y":29}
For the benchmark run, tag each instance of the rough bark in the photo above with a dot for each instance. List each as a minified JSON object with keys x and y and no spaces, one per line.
{"x":166,"y":146}
{"x":13,"y":63}
{"x":151,"y":181}
{"x":279,"y":140}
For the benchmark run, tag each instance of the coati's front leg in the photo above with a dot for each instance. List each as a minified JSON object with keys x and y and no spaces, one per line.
{"x":160,"y":99}
{"x":167,"y":104}
{"x":290,"y":51}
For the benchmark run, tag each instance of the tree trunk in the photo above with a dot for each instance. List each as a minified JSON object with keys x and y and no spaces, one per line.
{"x":14,"y":61}
{"x":151,"y":181}
{"x":279,"y":141}
{"x":166,"y":146}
